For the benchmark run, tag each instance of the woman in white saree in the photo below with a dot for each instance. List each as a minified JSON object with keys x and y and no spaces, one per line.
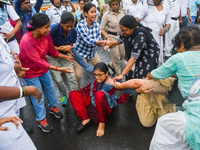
{"x":156,"y":15}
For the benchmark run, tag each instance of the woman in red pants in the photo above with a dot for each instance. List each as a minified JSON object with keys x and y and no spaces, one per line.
{"x":97,"y":99}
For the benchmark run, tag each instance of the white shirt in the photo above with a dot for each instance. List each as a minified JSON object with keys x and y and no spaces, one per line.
{"x":133,"y":9}
{"x":97,"y":6}
{"x":184,"y":4}
{"x":7,"y":27}
{"x":69,"y":8}
{"x":125,"y":3}
{"x":8,"y":77}
{"x":54,"y":14}
{"x":174,"y":7}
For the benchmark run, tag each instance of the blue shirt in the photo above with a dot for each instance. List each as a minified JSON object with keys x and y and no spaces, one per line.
{"x":57,"y":35}
{"x":87,"y":38}
{"x":194,"y":7}
{"x":77,"y":15}
{"x":23,"y":14}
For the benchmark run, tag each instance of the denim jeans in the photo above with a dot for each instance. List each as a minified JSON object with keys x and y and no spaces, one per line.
{"x":193,"y":21}
{"x":47,"y":82}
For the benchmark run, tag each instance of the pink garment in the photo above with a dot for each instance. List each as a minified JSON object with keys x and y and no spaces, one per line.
{"x":18,"y":34}
{"x":33,"y":54}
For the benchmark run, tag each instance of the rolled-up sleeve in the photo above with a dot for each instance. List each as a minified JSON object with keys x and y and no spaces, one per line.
{"x":168,"y":69}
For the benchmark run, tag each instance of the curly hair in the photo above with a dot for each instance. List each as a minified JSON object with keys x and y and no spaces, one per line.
{"x":189,"y":36}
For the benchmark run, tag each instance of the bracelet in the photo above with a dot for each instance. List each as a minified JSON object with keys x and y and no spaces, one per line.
{"x":25,"y":93}
{"x":104,"y":43}
{"x":106,"y":37}
{"x":123,"y":74}
{"x":165,"y":30}
{"x":20,"y":90}
{"x":14,"y":54}
{"x":56,"y":68}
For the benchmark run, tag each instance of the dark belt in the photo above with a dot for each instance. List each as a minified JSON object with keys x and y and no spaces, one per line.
{"x":113,"y":33}
{"x":173,"y":18}
{"x":12,"y":39}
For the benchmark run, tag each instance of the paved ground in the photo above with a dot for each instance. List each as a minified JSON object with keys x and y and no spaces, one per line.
{"x":123,"y":130}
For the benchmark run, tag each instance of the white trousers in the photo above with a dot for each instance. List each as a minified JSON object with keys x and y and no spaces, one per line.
{"x":170,"y":133}
{"x":14,"y":46}
{"x":15,"y":139}
{"x":170,"y":35}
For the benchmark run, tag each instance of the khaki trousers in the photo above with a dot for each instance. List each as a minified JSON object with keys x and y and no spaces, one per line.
{"x":78,"y":68}
{"x":57,"y":75}
{"x":150,"y":107}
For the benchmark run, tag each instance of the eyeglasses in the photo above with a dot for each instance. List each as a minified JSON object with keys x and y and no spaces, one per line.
{"x":98,"y":75}
{"x":124,"y":30}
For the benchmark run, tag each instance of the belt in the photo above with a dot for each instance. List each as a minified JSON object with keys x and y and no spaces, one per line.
{"x":12,"y":39}
{"x":173,"y":18}
{"x":113,"y":33}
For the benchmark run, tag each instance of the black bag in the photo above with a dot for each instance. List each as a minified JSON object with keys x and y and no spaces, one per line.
{"x":175,"y":96}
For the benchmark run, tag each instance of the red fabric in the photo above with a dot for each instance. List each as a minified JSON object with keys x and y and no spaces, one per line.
{"x":81,"y":104}
{"x":33,"y":54}
{"x":123,"y":98}
{"x":18,"y":34}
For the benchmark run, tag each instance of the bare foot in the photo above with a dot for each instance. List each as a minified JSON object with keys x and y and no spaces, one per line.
{"x":85,"y":121}
{"x":101,"y":129}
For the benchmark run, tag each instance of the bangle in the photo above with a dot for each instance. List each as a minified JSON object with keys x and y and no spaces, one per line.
{"x":20,"y":90}
{"x":56,"y":68}
{"x":123,"y":74}
{"x":25,"y":93}
{"x":14,"y":54}
{"x":106,"y":37}
{"x":165,"y":30}
{"x":104,"y":43}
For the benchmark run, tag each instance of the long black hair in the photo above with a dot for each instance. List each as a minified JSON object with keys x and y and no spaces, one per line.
{"x":38,"y":20}
{"x":189,"y":36}
{"x":130,"y":22}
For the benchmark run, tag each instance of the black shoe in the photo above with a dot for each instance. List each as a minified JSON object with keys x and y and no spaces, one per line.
{"x":83,"y":127}
{"x":113,"y":70}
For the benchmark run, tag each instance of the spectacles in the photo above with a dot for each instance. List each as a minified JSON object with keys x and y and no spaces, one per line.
{"x":98,"y":75}
{"x":124,"y":30}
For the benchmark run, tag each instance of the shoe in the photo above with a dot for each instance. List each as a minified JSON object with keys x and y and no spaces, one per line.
{"x":44,"y":126}
{"x":83,"y":127}
{"x":56,"y":112}
{"x":65,"y":100}
{"x":113,"y":70}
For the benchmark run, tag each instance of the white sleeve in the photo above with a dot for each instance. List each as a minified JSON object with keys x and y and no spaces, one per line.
{"x":168,"y":17}
{"x":12,"y":13}
{"x":143,"y":12}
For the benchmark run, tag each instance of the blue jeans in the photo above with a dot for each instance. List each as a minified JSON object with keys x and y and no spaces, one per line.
{"x":47,"y":82}
{"x":193,"y":20}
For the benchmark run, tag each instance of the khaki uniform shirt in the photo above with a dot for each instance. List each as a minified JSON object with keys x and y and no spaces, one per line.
{"x":110,"y":21}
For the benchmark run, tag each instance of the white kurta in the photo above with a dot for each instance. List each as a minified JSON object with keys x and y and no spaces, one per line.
{"x":170,"y":133}
{"x":155,"y":20}
{"x":12,"y":139}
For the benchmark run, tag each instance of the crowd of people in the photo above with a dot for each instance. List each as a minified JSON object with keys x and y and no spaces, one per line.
{"x":156,"y":39}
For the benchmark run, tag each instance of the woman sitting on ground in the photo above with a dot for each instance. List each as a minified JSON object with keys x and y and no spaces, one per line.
{"x":98,"y":96}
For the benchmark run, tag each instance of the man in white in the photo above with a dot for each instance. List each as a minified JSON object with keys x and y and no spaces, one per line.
{"x":6,"y":29}
{"x":185,"y":10}
{"x":174,"y":29}
{"x":55,"y":11}
{"x":134,"y":8}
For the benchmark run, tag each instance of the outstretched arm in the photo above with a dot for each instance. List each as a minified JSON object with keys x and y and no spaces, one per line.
{"x":82,"y":62}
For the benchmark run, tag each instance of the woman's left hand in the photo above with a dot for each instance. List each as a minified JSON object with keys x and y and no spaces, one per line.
{"x":20,"y":71}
